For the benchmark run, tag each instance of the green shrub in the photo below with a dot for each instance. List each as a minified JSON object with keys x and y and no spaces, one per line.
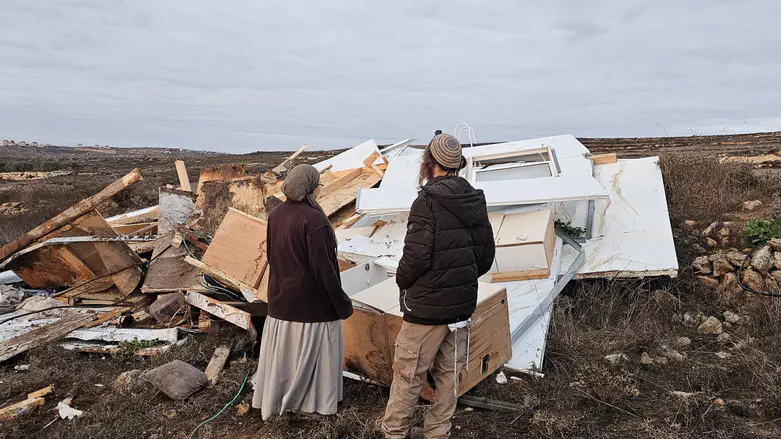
{"x":760,"y":231}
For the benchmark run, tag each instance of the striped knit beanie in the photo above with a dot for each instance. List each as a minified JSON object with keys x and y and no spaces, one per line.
{"x":446,"y":150}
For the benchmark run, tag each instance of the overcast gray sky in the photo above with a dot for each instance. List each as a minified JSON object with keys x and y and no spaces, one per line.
{"x":240,"y":76}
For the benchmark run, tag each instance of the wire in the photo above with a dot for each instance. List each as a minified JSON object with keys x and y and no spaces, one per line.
{"x":747,"y":288}
{"x":224,"y":408}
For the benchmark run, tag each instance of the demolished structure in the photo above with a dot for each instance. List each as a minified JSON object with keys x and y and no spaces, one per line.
{"x":557,"y":213}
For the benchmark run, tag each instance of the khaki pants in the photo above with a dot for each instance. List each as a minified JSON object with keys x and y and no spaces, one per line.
{"x":418,"y":349}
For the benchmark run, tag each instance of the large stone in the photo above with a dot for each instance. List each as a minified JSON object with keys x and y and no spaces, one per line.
{"x":731,"y":317}
{"x":126,"y":381}
{"x":708,"y":282}
{"x":771,"y":284}
{"x":711,"y":325}
{"x":753,"y":279}
{"x":722,"y":267}
{"x":711,"y":243}
{"x":702,"y":265}
{"x":775,"y":244}
{"x":763,"y":259}
{"x":735,"y":257}
{"x":752,"y":204}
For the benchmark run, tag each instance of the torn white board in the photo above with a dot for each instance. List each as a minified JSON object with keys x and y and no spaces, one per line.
{"x":352,"y":158}
{"x":388,"y":240}
{"x":112,"y":334}
{"x":497,"y":193}
{"x":16,"y":327}
{"x":632,"y":235}
{"x":529,"y":350}
{"x":397,"y":148}
{"x":403,"y":171}
{"x":361,"y":277}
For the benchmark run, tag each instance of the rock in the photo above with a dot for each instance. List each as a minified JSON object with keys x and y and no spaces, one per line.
{"x":763,"y":259}
{"x":126,"y":381}
{"x":775,"y":244}
{"x":683,"y":395}
{"x":22,"y":367}
{"x":752,"y":204}
{"x":771,"y":284}
{"x":712,"y":243}
{"x":501,"y":378}
{"x":616,"y":358}
{"x":683,"y":342}
{"x":777,"y":260}
{"x":735,"y":257}
{"x":242,"y":409}
{"x":708,"y":230}
{"x":723,"y":337}
{"x":731,"y":317}
{"x":690,"y":223}
{"x":646,"y":359}
{"x":776,"y":275}
{"x":722,"y":267}
{"x":665,"y":298}
{"x":753,"y":279}
{"x":711,"y":325}
{"x":723,"y":355}
{"x":718,"y":402}
{"x":660,"y":360}
{"x":724,"y":233}
{"x":692,"y":319}
{"x":702,"y":265}
{"x":729,"y":284}
{"x":674,"y":355}
{"x":708,"y":282}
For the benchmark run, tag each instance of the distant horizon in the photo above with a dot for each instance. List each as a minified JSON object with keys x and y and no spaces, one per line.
{"x":418,"y":142}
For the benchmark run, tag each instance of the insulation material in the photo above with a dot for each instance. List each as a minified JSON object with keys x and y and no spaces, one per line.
{"x":175,"y":208}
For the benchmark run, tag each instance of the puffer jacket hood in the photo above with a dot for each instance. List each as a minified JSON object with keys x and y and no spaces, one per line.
{"x":459,"y":197}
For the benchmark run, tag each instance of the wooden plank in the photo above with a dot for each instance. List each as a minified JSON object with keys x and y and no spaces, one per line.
{"x":350,"y":221}
{"x":169,"y":274}
{"x":369,"y":161}
{"x":223,"y":311}
{"x":348,"y":193}
{"x":339,"y":183}
{"x":43,"y":335}
{"x":221,"y":172}
{"x":216,"y":364}
{"x":513,"y":276}
{"x":184,"y":180}
{"x":262,"y":291}
{"x":106,"y":316}
{"x":135,"y":229}
{"x":20,"y":408}
{"x":51,"y":267}
{"x":145,"y":215}
{"x":249,"y":293}
{"x":70,"y":214}
{"x":239,"y":248}
{"x":90,"y":286}
{"x":41,"y":393}
{"x":604,"y":159}
{"x":285,"y":165}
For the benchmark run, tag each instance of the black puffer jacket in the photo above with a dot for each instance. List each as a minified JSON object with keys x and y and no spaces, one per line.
{"x":449,"y":244}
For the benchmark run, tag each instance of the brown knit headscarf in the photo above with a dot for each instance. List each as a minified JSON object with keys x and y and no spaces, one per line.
{"x":300,"y":185}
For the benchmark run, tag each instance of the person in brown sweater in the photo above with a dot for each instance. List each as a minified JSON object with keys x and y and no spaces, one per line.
{"x":300,"y":364}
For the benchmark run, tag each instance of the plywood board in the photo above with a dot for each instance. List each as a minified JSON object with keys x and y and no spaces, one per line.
{"x":221,"y":172}
{"x":239,"y":248}
{"x":348,"y":192}
{"x":250,"y":294}
{"x":169,"y":274}
{"x":246,"y":194}
{"x":184,"y":180}
{"x":51,"y":267}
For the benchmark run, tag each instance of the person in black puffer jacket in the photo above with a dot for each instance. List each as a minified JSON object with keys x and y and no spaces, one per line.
{"x":449,"y":244}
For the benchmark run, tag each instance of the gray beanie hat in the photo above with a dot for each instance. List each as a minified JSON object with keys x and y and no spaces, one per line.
{"x":446,"y":150}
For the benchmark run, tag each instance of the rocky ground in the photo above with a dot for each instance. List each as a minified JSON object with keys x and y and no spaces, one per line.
{"x":690,"y":357}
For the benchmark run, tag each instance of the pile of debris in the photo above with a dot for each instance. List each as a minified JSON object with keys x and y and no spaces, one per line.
{"x":760,"y":270}
{"x":149,"y":275}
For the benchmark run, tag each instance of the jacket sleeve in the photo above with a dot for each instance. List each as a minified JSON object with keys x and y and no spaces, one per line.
{"x":489,"y":250}
{"x":322,"y":259}
{"x":418,"y":244}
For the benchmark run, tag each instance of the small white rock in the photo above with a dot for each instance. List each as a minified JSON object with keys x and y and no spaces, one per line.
{"x":616,"y":358}
{"x":723,"y":355}
{"x":22,"y":367}
{"x":723,"y":338}
{"x":646,"y":359}
{"x":683,"y":342}
{"x":501,"y":378}
{"x":731,"y":317}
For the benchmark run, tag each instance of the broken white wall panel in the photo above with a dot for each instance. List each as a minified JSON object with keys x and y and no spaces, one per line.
{"x":113,"y":334}
{"x":352,"y":158}
{"x":632,"y":235}
{"x":388,"y":240}
{"x":42,"y":335}
{"x":497,"y":193}
{"x":113,"y":349}
{"x":397,"y":148}
{"x":19,"y":326}
{"x":529,"y":350}
{"x":175,"y":208}
{"x":403,"y":171}
{"x":565,"y":146}
{"x":224,"y":311}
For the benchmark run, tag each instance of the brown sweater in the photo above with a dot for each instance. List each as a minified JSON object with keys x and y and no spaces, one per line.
{"x":304,"y":285}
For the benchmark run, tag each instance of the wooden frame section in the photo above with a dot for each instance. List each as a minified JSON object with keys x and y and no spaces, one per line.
{"x":223,"y":311}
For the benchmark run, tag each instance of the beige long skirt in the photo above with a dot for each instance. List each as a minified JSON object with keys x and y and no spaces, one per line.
{"x":300,"y":368}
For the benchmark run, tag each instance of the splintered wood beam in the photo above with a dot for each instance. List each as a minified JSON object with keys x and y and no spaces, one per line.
{"x":283,"y":167}
{"x":216,"y":364}
{"x":184,"y":180}
{"x":222,"y":310}
{"x":20,"y":408}
{"x":513,"y":276}
{"x":604,"y":159}
{"x":70,"y":214}
{"x":44,"y":334}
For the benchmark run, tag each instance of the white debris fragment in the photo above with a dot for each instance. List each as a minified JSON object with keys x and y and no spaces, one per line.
{"x":67,"y":411}
{"x":501,"y":378}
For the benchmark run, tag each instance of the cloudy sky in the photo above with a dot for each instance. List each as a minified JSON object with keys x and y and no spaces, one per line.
{"x":240,"y":76}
